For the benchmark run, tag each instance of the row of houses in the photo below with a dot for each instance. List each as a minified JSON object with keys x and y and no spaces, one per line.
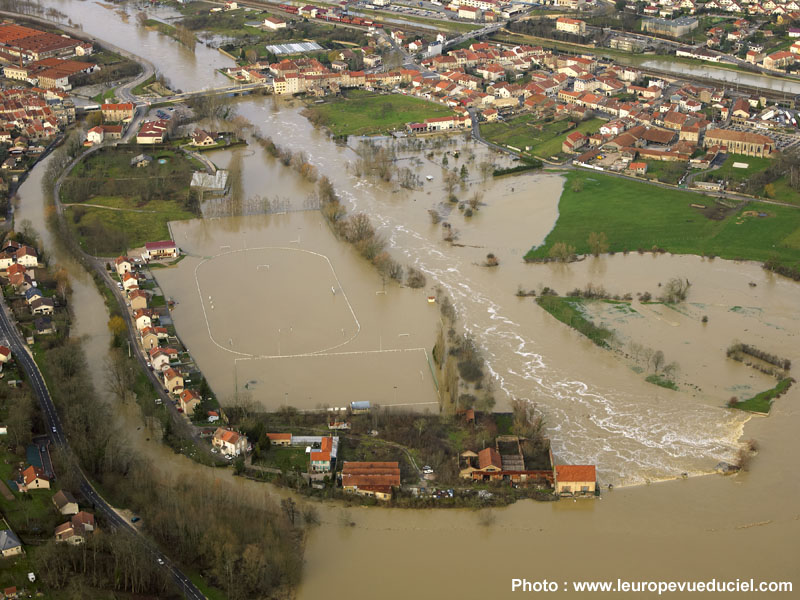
{"x":50,"y":73}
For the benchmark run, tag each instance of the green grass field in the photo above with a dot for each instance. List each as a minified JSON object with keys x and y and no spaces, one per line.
{"x":784,"y":193}
{"x":105,"y":232}
{"x":544,"y":139}
{"x":727,"y":170}
{"x":30,"y":515}
{"x":636,"y":215}
{"x":664,"y":171}
{"x":568,"y":311}
{"x":761,"y":403}
{"x":287,"y":460}
{"x":365,"y":113}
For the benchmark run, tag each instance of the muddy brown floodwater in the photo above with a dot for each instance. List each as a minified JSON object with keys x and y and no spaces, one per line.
{"x":597,"y":409}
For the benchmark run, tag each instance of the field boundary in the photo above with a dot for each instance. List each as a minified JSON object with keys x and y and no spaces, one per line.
{"x":248,"y":355}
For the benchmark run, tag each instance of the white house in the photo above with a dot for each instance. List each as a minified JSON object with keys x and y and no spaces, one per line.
{"x":95,"y":135}
{"x":230,"y":443}
{"x":123,"y":265}
{"x":274,"y":24}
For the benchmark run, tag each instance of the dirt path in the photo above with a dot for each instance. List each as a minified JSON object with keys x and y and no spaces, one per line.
{"x":5,"y":492}
{"x":136,"y":210}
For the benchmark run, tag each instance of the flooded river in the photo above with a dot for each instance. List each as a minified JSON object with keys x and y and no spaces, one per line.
{"x":597,"y":409}
{"x":775,"y":83}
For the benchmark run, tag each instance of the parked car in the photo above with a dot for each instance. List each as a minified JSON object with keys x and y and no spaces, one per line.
{"x":427,"y":470}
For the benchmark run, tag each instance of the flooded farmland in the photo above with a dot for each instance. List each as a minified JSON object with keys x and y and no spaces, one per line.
{"x":597,"y":409}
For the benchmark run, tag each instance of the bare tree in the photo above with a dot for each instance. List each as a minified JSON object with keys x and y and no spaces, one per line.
{"x":598,"y":242}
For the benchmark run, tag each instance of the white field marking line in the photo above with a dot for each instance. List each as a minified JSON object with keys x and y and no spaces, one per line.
{"x":335,"y":276}
{"x":323,"y":353}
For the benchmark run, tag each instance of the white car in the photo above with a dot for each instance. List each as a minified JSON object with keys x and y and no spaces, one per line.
{"x":427,"y":470}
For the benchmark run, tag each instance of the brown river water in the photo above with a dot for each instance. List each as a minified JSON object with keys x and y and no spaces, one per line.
{"x":597,"y":408}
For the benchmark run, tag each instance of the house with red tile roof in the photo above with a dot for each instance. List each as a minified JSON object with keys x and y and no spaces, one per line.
{"x":280,"y":439}
{"x":229,"y":443}
{"x":33,"y":478}
{"x":376,"y":479}
{"x":575,"y":479}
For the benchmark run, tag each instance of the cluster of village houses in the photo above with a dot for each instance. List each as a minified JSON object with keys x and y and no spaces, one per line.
{"x":19,"y":262}
{"x":164,"y":359}
{"x":79,"y":524}
{"x":646,"y":120}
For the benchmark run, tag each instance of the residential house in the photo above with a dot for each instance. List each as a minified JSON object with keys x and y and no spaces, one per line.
{"x":27,"y":257}
{"x":164,"y":249}
{"x":32,"y":294}
{"x":5,"y":354}
{"x":489,"y":460}
{"x":779,"y":60}
{"x":173,"y":381}
{"x":149,"y":338}
{"x":575,"y":479}
{"x":202,"y":138}
{"x":274,"y":24}
{"x":9,"y":544}
{"x":573,"y":26}
{"x":115,"y":113}
{"x":574,"y":142}
{"x":230,"y":443}
{"x":189,"y":400}
{"x":43,"y":306}
{"x":33,"y":478}
{"x":95,"y":135}
{"x":77,"y":529}
{"x":158,"y":359}
{"x":65,"y":503}
{"x":320,"y":460}
{"x":142,"y":318}
{"x":375,"y":479}
{"x":44,"y":326}
{"x":280,"y":439}
{"x":141,"y":160}
{"x":123,"y":265}
{"x":138,"y":299}
{"x":129,"y":281}
{"x":15,"y":269}
{"x":638,"y":168}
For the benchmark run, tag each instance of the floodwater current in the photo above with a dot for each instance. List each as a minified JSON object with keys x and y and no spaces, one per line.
{"x":596,"y":407}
